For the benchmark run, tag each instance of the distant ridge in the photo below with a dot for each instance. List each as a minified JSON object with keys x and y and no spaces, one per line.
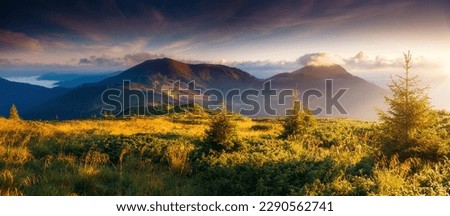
{"x":24,"y":96}
{"x":360,"y":99}
{"x":85,"y":101}
{"x":157,"y":74}
{"x":75,"y":80}
{"x":166,"y":69}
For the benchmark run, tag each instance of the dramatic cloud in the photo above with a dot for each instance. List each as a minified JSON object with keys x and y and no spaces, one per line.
{"x":165,"y":22}
{"x":320,"y":59}
{"x":120,"y":34}
{"x":13,"y":41}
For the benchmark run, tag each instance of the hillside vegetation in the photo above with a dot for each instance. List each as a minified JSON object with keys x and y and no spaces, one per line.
{"x":172,"y":155}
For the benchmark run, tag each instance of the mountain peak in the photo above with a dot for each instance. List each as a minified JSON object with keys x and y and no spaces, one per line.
{"x":164,"y":71}
{"x":163,"y":66}
{"x":161,"y":62}
{"x":330,"y":71}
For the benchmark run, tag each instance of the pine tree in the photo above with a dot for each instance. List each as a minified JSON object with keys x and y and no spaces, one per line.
{"x":300,"y":121}
{"x":221,"y":134}
{"x":409,"y":125}
{"x":14,"y":113}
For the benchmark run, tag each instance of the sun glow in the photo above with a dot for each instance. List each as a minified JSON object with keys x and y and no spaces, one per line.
{"x":446,"y":69}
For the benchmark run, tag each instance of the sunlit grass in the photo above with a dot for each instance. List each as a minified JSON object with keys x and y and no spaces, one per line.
{"x":165,"y":156}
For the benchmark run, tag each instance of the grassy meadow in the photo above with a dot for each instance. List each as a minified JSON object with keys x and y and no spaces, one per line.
{"x":168,"y":155}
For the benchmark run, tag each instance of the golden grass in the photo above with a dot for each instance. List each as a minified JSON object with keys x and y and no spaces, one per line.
{"x":86,"y":157}
{"x":159,"y":125}
{"x":110,"y":127}
{"x":8,"y":184}
{"x":178,"y":157}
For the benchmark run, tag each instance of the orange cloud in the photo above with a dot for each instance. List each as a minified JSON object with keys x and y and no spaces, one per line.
{"x":17,"y":41}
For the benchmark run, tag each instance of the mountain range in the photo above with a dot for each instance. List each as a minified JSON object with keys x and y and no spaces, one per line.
{"x":85,"y":100}
{"x":25,"y":96}
{"x":74,"y":80}
{"x":359,"y":100}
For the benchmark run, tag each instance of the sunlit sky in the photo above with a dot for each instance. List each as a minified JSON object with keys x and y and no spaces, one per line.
{"x":263,"y":37}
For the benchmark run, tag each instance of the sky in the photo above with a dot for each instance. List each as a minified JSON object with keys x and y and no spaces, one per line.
{"x":263,"y":37}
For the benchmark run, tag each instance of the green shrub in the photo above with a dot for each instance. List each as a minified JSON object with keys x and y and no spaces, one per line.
{"x":299,"y":123}
{"x":221,"y":135}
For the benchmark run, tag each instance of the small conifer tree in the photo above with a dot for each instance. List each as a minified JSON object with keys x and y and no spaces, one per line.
{"x":300,"y":121}
{"x":221,"y":134}
{"x":409,"y":124}
{"x":14,"y":113}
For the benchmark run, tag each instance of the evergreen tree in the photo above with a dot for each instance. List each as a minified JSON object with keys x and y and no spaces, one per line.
{"x":221,"y":134}
{"x":409,"y":125}
{"x":300,"y":121}
{"x":14,"y":113}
